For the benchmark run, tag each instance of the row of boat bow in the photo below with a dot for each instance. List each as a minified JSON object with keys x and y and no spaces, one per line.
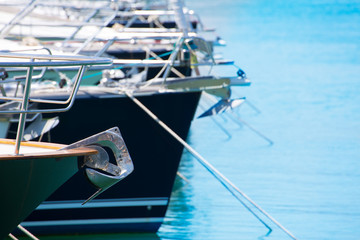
{"x":104,"y":53}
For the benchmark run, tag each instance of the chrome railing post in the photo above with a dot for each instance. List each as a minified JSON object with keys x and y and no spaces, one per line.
{"x":24,"y":107}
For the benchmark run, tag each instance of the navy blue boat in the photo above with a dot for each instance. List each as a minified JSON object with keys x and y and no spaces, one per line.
{"x":139,"y":203}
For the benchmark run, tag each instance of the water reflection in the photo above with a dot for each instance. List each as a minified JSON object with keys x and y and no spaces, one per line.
{"x":180,"y":214}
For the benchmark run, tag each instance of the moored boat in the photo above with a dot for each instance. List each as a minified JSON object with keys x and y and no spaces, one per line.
{"x":134,"y":205}
{"x":172,"y":93}
{"x":31,"y":171}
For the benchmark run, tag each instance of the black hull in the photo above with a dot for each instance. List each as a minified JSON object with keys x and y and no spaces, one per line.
{"x":139,"y":202}
{"x":141,"y":24}
{"x":141,"y":54}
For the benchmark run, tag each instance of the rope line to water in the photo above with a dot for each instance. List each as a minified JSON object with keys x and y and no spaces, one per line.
{"x":224,"y":181}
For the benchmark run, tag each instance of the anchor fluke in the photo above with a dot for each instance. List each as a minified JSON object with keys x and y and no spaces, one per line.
{"x":99,"y":170}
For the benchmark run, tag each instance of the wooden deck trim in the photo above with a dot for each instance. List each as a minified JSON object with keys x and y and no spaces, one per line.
{"x":82,"y":151}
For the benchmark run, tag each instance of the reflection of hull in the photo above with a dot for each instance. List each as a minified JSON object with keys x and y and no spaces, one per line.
{"x":140,"y":202}
{"x":28,"y":179}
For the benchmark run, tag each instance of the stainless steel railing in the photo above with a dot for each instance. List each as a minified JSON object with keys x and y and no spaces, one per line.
{"x":30,"y":61}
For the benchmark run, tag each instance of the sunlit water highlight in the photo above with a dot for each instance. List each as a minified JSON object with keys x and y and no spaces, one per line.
{"x":303,"y":58}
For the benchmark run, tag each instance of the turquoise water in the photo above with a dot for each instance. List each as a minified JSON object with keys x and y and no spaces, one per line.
{"x":303,"y":58}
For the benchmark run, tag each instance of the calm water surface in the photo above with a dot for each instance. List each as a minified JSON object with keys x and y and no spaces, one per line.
{"x":303,"y":58}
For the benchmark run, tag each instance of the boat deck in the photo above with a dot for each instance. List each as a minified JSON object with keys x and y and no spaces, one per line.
{"x":39,"y":150}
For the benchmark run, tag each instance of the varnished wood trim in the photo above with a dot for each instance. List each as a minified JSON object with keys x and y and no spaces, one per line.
{"x":34,"y":144}
{"x":81,"y":151}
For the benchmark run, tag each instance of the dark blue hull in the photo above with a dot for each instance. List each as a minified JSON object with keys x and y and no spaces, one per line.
{"x":139,"y":202}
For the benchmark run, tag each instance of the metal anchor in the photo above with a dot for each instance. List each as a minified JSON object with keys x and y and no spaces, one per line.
{"x":100,"y":172}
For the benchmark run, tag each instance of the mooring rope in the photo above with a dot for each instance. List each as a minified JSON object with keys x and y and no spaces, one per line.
{"x":29,"y":234}
{"x":218,"y":175}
